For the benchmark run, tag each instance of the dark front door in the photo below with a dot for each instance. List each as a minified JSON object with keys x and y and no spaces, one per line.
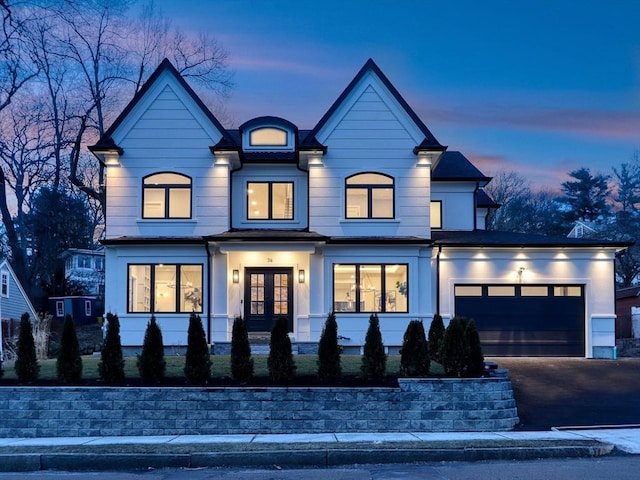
{"x":268,"y":294}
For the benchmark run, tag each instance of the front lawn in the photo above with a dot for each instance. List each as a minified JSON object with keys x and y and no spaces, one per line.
{"x":306,"y":367}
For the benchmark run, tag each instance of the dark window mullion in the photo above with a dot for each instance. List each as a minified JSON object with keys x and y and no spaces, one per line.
{"x":270,"y":200}
{"x":152,"y":289}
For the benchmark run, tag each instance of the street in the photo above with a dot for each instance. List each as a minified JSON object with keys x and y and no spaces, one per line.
{"x":618,"y":467}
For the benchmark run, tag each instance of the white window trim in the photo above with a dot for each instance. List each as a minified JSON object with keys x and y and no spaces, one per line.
{"x":4,"y":274}
{"x":247,"y":147}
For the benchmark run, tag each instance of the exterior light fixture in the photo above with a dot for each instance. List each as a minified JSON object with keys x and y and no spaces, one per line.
{"x":301,"y":276}
{"x":520,"y":272}
{"x":236,"y":276}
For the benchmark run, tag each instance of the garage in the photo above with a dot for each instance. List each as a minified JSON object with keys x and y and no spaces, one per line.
{"x":525,"y":320}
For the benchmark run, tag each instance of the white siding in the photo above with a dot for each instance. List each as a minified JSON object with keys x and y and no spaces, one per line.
{"x":371,"y":134}
{"x":458,"y":204}
{"x":167,"y":131}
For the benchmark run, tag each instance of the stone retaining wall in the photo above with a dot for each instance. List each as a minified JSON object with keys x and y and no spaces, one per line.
{"x":417,"y":405}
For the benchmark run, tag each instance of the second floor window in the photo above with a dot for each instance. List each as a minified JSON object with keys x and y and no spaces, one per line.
{"x":166,"y":195}
{"x":270,"y":200}
{"x":369,"y":195}
{"x":5,"y":284}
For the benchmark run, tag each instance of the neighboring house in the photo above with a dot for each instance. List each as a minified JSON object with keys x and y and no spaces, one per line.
{"x":13,"y":303}
{"x":626,"y":299}
{"x":584,"y":229}
{"x":365,"y":213}
{"x":83,"y":268}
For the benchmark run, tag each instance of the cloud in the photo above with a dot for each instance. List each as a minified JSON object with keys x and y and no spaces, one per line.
{"x":583,"y":122}
{"x":280,"y":66}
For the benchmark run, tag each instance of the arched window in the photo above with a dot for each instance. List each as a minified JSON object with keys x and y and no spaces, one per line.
{"x":369,"y":195}
{"x":166,"y":195}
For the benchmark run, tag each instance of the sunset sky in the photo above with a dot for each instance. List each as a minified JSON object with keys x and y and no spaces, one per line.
{"x":539,"y":87}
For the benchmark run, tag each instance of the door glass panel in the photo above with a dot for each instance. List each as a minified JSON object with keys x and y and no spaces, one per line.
{"x":280,"y":294}
{"x":257,"y":293}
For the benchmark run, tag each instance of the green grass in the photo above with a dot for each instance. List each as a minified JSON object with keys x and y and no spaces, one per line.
{"x":306,"y":366}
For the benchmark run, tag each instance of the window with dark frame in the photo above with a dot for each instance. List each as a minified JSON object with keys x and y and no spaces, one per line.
{"x":5,"y":284}
{"x":436,"y":214}
{"x":166,"y":196}
{"x":270,"y":200}
{"x":87,"y":308}
{"x":164,"y":288}
{"x":370,"y":288}
{"x":59,"y":308}
{"x":369,"y":196}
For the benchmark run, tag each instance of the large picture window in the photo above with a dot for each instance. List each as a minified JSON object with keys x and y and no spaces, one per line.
{"x":166,"y":195}
{"x":164,"y":288}
{"x":270,"y":200}
{"x":370,"y":288}
{"x":369,"y":195}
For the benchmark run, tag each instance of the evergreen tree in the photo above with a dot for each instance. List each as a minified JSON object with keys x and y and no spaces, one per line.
{"x":69,"y":362}
{"x":414,"y":355}
{"x":150,"y":362}
{"x":26,"y":365}
{"x":374,"y":360}
{"x":329,"y":367}
{"x":241,"y":361}
{"x":475,"y":362}
{"x":455,"y":352}
{"x":586,"y":196}
{"x":436,"y":338}
{"x":280,"y":361}
{"x":197,"y":365}
{"x":111,"y":365}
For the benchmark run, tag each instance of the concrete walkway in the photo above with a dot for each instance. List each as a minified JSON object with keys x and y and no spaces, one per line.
{"x":330,"y":449}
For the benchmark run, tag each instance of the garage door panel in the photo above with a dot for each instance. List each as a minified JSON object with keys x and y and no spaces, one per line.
{"x":527,"y":325}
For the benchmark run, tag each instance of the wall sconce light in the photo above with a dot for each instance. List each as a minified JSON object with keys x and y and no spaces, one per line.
{"x":301,"y":276}
{"x":520,"y":272}
{"x":236,"y":276}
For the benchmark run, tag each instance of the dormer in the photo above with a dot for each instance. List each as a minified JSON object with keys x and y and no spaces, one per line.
{"x":268,"y":134}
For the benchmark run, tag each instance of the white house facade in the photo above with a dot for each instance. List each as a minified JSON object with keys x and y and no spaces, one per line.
{"x":365,"y":213}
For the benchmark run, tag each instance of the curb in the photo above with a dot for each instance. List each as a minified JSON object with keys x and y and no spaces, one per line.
{"x":30,"y":462}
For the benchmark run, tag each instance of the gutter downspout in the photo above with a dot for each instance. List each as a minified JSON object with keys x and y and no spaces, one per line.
{"x":475,"y":206}
{"x":438,"y":279}
{"x":209,"y":256}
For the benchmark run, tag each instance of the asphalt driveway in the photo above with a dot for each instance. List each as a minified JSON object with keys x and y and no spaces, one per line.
{"x":556,"y":392}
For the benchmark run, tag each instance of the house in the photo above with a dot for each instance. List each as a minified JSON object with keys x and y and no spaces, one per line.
{"x":13,"y":304}
{"x":626,"y":300}
{"x":84,"y":273}
{"x":365,"y":213}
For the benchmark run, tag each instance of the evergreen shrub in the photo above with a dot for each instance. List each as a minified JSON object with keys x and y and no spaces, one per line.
{"x":151,"y":363}
{"x":111,"y":365}
{"x":475,"y":363}
{"x":374,"y":360}
{"x":436,"y":338}
{"x":197,"y":363}
{"x":329,"y":367}
{"x":241,"y":361}
{"x":26,"y":365}
{"x":414,"y":354}
{"x":69,"y":361}
{"x":280,"y":361}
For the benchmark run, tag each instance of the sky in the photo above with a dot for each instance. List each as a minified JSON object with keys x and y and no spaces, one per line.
{"x":537,"y":87}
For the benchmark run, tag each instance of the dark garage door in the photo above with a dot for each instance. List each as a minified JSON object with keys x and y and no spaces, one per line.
{"x":525,"y":320}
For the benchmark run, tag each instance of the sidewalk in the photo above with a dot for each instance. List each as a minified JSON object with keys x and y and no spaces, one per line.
{"x":330,"y":449}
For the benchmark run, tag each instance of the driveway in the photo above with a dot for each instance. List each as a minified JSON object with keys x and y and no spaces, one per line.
{"x":556,"y":392}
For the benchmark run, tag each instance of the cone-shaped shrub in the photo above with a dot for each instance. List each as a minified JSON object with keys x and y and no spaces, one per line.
{"x":455,"y":351}
{"x":151,"y":363}
{"x":436,"y":338}
{"x":414,"y":354}
{"x":374,"y":360}
{"x":280,"y":361}
{"x":241,"y":361}
{"x":26,"y":365}
{"x":197,"y":363}
{"x":475,"y":362}
{"x":329,"y":367}
{"x":111,"y":365}
{"x":69,"y":361}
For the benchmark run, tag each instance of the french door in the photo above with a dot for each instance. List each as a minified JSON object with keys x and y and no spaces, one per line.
{"x":268,"y":294}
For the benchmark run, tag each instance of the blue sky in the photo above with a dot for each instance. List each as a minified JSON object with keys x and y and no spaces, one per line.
{"x":539,"y":87}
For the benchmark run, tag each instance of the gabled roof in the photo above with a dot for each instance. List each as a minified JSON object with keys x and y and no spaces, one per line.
{"x":454,"y":166}
{"x":429,"y":142}
{"x":628,"y":292}
{"x":5,"y":265}
{"x":106,"y":141}
{"x":493,"y":238}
